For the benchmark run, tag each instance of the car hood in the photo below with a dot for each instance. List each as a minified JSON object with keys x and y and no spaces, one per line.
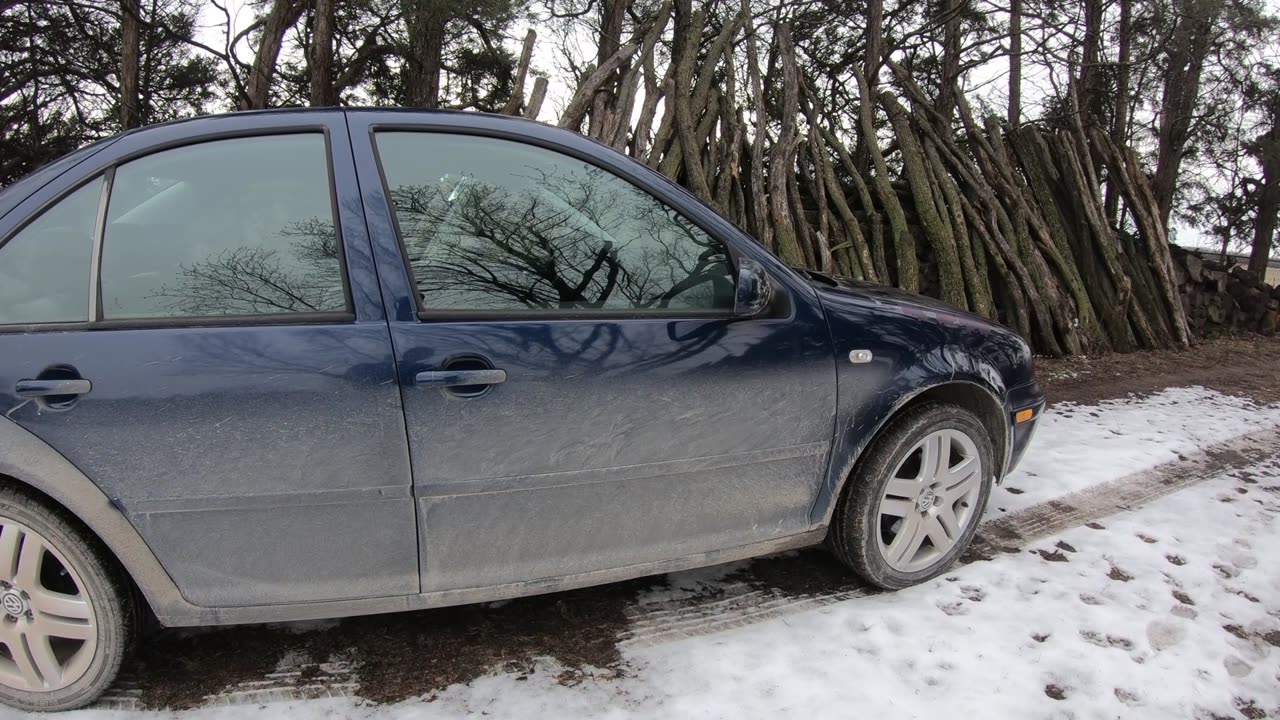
{"x":1003,"y":347}
{"x":911,"y":303}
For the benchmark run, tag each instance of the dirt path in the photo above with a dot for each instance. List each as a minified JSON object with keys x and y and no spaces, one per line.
{"x":391,"y":657}
{"x":1249,"y":367}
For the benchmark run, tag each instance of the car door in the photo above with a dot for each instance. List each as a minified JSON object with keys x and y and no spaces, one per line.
{"x":194,"y":322}
{"x":578,"y":394}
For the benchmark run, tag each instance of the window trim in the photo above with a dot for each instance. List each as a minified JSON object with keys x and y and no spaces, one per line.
{"x":95,"y":257}
{"x":427,"y":315}
{"x":97,"y":321}
{"x":26,"y":222}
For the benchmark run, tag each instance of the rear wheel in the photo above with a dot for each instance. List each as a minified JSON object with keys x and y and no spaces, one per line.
{"x":66,"y":616}
{"x":916,"y":500}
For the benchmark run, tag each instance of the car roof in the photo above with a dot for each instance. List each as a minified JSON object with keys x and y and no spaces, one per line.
{"x":303,"y":111}
{"x":13,"y":194}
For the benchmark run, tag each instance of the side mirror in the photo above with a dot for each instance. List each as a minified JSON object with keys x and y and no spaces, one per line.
{"x":753,"y":291}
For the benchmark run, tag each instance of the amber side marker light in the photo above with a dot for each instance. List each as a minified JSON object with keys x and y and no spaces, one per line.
{"x":1024,"y":415}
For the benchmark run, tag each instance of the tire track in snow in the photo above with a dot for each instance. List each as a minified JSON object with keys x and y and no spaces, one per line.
{"x":741,"y":604}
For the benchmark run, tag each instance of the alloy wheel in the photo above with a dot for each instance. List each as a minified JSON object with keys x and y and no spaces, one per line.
{"x":929,"y":500}
{"x":48,"y":633}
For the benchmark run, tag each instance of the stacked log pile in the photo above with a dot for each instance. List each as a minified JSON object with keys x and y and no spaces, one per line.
{"x":1223,"y":298}
{"x":1008,"y":222}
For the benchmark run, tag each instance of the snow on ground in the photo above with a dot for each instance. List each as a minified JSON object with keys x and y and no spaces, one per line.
{"x":1081,"y":445}
{"x":1172,"y":610}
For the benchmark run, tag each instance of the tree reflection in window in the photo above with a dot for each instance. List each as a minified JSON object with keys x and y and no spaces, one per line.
{"x":228,"y":227}
{"x":507,"y":226}
{"x":257,"y":280}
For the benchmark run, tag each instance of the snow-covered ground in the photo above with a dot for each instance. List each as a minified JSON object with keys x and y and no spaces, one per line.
{"x":1172,"y":610}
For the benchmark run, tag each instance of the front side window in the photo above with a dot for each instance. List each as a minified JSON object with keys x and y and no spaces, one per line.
{"x":494,"y":225}
{"x":44,"y":268}
{"x":229,"y":227}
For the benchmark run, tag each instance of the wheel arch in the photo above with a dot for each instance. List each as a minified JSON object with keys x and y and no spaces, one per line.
{"x":970,"y":394}
{"x":27,"y":462}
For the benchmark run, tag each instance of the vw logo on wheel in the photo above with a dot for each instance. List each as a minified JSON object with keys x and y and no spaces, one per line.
{"x":926,"y":500}
{"x":13,"y":603}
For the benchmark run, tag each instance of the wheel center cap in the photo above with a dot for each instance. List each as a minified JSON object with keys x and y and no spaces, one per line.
{"x":13,"y":603}
{"x":925,"y":501}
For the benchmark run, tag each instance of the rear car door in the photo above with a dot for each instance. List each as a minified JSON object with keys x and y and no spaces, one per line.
{"x":194,"y":322}
{"x":578,"y":394}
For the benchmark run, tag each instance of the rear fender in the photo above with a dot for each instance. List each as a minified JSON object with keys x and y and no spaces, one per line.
{"x":31,"y":461}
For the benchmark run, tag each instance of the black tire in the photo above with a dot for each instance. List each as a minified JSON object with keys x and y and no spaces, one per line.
{"x":855,"y":534}
{"x":102,"y":581}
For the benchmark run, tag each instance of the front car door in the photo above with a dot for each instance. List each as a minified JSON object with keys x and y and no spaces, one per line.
{"x":194,"y":322}
{"x":578,"y":394}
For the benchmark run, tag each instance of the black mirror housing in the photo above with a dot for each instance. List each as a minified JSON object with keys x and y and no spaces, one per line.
{"x":754,"y":290}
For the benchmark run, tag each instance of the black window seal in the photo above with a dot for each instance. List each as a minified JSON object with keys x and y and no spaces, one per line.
{"x":195,"y":321}
{"x":425,"y":314}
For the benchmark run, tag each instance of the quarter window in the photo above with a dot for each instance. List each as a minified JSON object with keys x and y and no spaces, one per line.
{"x":497,"y":225}
{"x":229,"y":227}
{"x":44,"y":269}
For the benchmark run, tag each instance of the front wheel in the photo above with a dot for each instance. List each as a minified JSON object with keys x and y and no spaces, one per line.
{"x":66,"y":613}
{"x":915,"y":503}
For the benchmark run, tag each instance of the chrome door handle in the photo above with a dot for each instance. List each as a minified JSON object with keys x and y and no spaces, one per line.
{"x":459,"y":378}
{"x":47,"y":388}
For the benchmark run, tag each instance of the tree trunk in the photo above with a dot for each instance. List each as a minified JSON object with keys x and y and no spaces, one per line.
{"x":535,"y":98}
{"x":282,"y":16}
{"x":1267,"y":150}
{"x":612,"y":13}
{"x":871,"y":71}
{"x":516,"y":101}
{"x":904,"y":245}
{"x":323,"y":92}
{"x":578,"y":105}
{"x":130,"y":60}
{"x":936,"y":229}
{"x":427,"y":21}
{"x":1120,"y":115}
{"x":1187,"y":49}
{"x":782,"y":158}
{"x":1015,"y":63}
{"x":1090,"y":69}
{"x":952,"y":11}
{"x":759,"y":207}
{"x":1123,"y":163}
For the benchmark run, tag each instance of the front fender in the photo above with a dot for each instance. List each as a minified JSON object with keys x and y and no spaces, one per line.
{"x":31,"y":461}
{"x":912,"y":353}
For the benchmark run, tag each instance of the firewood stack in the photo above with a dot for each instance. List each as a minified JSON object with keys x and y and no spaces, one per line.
{"x":1220,"y":298}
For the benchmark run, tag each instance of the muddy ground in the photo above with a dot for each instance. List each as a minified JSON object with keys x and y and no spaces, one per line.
{"x":1245,"y":366}
{"x":411,"y":654}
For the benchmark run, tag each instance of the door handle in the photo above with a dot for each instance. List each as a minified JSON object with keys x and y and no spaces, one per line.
{"x":48,"y":388}
{"x":460,"y":378}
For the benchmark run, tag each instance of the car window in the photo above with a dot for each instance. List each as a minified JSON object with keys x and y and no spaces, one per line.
{"x":229,"y":227}
{"x":44,"y":269}
{"x":496,"y":225}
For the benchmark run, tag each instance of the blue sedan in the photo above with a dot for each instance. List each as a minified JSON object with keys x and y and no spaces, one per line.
{"x":314,"y":363}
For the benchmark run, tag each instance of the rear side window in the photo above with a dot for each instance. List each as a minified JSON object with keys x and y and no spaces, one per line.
{"x":229,"y":227}
{"x":494,"y":225}
{"x":44,"y":269}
